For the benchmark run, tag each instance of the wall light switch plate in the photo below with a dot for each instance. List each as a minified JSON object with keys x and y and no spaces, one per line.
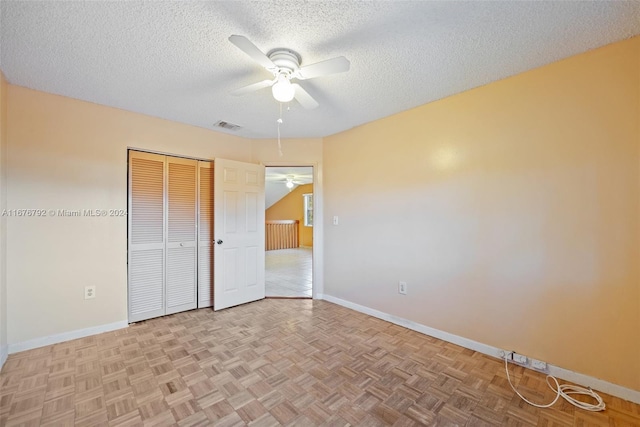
{"x":402,"y":288}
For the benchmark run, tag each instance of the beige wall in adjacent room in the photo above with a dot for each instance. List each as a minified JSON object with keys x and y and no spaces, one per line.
{"x":3,"y":218}
{"x":68,"y":154}
{"x":512,"y":211}
{"x":291,"y":206}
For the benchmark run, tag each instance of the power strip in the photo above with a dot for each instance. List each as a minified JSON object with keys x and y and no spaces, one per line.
{"x":566,"y":391}
{"x":524,"y":361}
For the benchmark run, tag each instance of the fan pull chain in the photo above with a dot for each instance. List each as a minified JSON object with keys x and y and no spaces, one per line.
{"x":279,"y":123}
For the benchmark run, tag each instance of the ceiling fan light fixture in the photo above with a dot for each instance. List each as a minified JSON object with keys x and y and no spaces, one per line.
{"x":282,"y":90}
{"x":284,"y":64}
{"x":290,"y":183}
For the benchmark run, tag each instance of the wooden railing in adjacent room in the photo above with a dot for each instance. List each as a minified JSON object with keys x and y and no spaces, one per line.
{"x":282,"y":234}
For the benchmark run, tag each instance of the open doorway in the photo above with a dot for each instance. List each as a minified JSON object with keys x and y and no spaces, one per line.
{"x":289,"y":231}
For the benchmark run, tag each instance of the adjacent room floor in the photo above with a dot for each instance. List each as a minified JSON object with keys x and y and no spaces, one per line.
{"x":288,"y":272}
{"x":276,"y":362}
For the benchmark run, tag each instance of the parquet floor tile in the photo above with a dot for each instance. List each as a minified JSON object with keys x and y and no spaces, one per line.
{"x":276,"y":363}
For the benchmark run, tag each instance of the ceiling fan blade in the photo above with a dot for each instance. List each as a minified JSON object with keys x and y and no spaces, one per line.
{"x":252,"y":87}
{"x":303,"y":97}
{"x":324,"y":68}
{"x":245,"y":45}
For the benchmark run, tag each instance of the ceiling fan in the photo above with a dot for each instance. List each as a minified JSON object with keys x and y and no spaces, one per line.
{"x":284,"y":64}
{"x":289,"y":180}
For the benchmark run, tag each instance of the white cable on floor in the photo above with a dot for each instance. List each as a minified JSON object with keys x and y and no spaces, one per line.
{"x":564,"y":390}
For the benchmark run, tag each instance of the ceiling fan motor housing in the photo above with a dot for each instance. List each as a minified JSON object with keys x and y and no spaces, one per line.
{"x":286,"y":60}
{"x":284,"y":64}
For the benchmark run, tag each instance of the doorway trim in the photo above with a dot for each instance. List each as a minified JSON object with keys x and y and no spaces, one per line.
{"x":317,"y":287}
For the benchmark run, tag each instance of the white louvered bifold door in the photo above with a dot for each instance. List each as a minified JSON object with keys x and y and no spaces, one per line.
{"x":146,"y":236}
{"x":181,"y":258}
{"x":205,"y":235}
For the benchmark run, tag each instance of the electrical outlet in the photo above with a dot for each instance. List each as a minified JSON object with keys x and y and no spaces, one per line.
{"x":520,"y":359}
{"x":402,"y":288}
{"x":89,"y":292}
{"x":539,"y":365}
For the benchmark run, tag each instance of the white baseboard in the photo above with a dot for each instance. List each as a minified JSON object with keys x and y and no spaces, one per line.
{"x":556,"y":371}
{"x":4,"y":353}
{"x":65,"y":336}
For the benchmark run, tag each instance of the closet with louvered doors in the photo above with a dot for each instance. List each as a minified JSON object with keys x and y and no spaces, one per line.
{"x":205,"y":234}
{"x":168,"y":260}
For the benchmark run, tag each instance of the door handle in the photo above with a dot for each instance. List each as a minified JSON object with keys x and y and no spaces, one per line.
{"x":181,"y":244}
{"x":219,"y":242}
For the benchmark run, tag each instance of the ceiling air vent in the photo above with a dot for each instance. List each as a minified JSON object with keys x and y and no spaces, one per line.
{"x":226,"y":125}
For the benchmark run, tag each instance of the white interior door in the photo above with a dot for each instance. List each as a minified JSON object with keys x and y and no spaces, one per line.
{"x":205,"y":235}
{"x":182,"y":260}
{"x":239,"y":233}
{"x":146,"y":236}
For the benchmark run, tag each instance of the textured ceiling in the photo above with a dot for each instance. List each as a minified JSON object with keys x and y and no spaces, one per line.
{"x":173,"y":60}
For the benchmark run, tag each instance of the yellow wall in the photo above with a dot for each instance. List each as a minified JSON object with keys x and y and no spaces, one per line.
{"x":512,"y":211}
{"x":291,"y":206}
{"x":3,"y":219}
{"x":295,"y":152}
{"x":516,"y":200}
{"x":69,"y":154}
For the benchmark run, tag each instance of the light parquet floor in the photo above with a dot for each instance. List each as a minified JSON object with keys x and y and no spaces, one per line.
{"x":271,"y":363}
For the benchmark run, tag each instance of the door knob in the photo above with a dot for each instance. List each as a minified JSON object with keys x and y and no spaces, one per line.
{"x":219,"y":242}
{"x":181,"y":244}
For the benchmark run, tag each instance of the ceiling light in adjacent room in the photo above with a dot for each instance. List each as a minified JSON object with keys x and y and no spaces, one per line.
{"x":290,"y":183}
